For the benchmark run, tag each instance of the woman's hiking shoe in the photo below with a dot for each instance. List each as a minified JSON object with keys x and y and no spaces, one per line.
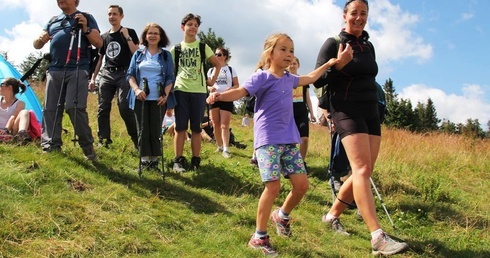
{"x":195,"y":163}
{"x":282,"y":225}
{"x":385,"y":245}
{"x":263,"y":245}
{"x":336,"y":225}
{"x":226,"y":154}
{"x":179,"y":164}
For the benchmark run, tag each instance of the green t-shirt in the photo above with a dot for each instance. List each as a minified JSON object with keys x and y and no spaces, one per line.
{"x":190,"y":76}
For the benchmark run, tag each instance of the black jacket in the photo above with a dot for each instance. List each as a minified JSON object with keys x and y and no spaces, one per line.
{"x":356,"y":80}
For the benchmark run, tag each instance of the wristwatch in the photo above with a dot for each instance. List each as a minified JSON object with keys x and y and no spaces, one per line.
{"x":88,"y":31}
{"x":129,"y":38}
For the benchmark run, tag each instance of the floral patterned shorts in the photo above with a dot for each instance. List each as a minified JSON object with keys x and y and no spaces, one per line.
{"x":275,"y":159}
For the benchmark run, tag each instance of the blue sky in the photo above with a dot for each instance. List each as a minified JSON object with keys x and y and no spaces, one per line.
{"x":429,"y":48}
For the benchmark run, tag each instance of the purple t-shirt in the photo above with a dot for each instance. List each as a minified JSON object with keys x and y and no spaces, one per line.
{"x":273,"y":118}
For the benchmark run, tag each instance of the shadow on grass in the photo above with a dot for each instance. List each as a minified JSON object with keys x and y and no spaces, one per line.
{"x":435,"y":248}
{"x":195,"y":201}
{"x":219,"y":180}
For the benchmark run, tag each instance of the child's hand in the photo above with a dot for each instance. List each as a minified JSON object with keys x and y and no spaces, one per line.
{"x":332,"y":62}
{"x":213,"y":98}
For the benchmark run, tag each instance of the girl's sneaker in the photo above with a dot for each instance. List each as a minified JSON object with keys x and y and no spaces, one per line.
{"x":283,"y":227}
{"x":263,"y":245}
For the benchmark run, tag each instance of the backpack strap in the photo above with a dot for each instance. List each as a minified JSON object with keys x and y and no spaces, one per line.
{"x":202,"y":52}
{"x":177,"y":50}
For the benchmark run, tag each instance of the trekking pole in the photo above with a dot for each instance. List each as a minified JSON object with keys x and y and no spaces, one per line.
{"x":161,"y":90}
{"x":58,"y":105}
{"x":381,"y":201}
{"x":145,"y":89}
{"x":74,"y":140}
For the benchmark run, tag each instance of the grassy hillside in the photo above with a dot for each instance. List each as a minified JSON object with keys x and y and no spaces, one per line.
{"x":59,"y":205}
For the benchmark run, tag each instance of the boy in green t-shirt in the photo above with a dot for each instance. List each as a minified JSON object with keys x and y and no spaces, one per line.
{"x":190,"y":91}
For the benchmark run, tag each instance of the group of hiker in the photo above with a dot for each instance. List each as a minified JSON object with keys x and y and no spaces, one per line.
{"x":150,"y":81}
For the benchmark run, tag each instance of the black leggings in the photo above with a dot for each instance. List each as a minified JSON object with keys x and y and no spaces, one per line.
{"x":352,"y":117}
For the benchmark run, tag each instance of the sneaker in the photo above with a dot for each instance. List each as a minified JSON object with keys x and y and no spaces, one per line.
{"x":195,"y":163}
{"x":385,"y":245}
{"x":104,"y":143}
{"x":154,"y":165}
{"x":336,"y":225}
{"x":51,"y":149}
{"x":179,"y":163}
{"x":226,"y":154}
{"x":282,"y":225}
{"x":219,"y":149}
{"x":89,"y":153}
{"x":22,"y":137}
{"x":336,"y":184}
{"x":263,"y":245}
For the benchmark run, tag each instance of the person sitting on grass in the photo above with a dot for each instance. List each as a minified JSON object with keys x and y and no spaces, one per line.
{"x":14,"y":118}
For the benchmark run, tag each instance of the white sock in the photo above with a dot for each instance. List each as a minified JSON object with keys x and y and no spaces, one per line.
{"x":225,"y":148}
{"x":145,"y":158}
{"x":154,"y":158}
{"x":330,"y":217}
{"x":282,"y":215}
{"x":220,"y":148}
{"x":375,"y":234}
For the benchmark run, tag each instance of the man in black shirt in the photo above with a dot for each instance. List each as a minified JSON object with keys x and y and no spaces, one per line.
{"x":119,"y":44}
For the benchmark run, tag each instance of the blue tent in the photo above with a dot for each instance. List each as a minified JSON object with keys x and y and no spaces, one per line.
{"x":29,"y":97}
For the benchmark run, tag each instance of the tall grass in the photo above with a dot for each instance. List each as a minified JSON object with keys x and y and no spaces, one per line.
{"x":59,"y":205}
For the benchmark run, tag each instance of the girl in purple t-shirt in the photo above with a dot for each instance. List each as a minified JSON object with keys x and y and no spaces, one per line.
{"x":275,"y":132}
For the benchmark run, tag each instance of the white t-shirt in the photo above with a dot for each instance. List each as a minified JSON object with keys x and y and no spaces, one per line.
{"x":168,"y":121}
{"x":224,"y":80}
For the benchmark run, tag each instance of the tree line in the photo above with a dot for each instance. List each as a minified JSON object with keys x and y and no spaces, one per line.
{"x":423,"y":117}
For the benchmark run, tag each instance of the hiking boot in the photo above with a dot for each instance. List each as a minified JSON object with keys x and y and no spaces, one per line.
{"x":282,"y":225}
{"x":226,"y":154}
{"x":179,"y":164}
{"x":336,"y":225}
{"x":195,"y":163}
{"x":89,"y":153}
{"x":263,"y":245}
{"x":385,"y":245}
{"x":336,"y":184}
{"x":22,"y":137}
{"x":154,"y":165}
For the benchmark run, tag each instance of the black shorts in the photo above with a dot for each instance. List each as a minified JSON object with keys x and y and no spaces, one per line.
{"x":223,"y":105}
{"x":302,"y":122}
{"x":189,"y":109}
{"x":351,"y":117}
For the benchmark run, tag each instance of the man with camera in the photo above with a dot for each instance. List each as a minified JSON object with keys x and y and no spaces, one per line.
{"x":71,"y":35}
{"x":119,"y":44}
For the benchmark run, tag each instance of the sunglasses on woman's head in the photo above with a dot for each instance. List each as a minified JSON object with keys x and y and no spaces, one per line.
{"x":3,"y":84}
{"x":218,"y":54}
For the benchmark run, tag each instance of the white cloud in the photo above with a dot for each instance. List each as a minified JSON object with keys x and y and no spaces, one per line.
{"x":456,"y":108}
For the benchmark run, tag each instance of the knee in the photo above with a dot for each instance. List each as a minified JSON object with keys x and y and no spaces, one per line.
{"x":364,"y":171}
{"x":302,"y":187}
{"x":225,"y":127}
{"x":272,"y":188}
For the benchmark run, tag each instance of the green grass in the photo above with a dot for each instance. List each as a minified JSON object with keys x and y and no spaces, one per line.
{"x":59,"y":205}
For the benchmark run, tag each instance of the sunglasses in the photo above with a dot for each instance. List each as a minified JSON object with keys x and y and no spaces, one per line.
{"x":218,"y":54}
{"x":4,"y":84}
